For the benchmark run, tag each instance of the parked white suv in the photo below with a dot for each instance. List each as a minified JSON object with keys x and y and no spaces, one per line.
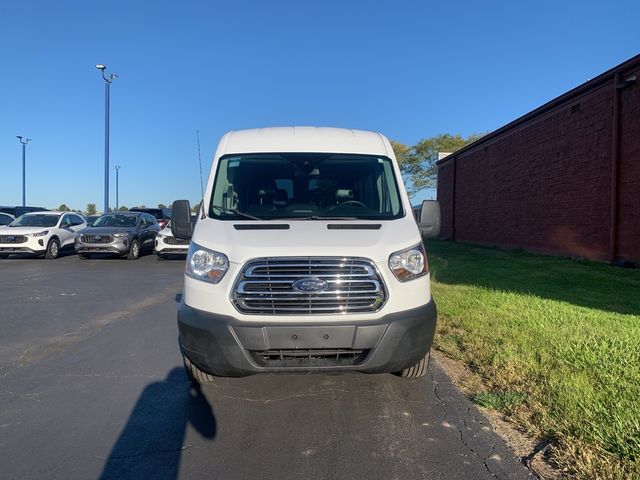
{"x":40,"y":233}
{"x":306,"y":257}
{"x":166,"y":244}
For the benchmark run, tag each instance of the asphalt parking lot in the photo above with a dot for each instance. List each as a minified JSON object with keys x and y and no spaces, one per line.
{"x":91,"y":386}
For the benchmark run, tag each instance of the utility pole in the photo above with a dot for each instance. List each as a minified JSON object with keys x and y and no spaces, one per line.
{"x":24,"y":142}
{"x":107,"y":84}
{"x":117,"y":167}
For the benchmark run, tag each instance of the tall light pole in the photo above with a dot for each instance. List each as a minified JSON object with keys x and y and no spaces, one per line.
{"x":117,"y":167}
{"x":24,"y":142}
{"x":107,"y":84}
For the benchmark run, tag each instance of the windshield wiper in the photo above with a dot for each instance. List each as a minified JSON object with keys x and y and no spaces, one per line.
{"x":237,"y":212}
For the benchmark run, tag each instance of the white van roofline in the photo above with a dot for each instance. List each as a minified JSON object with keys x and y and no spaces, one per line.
{"x":304,"y":139}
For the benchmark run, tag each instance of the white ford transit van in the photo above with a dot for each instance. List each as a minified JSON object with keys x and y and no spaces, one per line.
{"x":305,"y":257}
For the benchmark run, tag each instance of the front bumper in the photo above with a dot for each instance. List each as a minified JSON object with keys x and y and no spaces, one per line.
{"x":34,"y":245}
{"x":225,"y":346}
{"x":9,"y":250}
{"x":118,"y":246}
{"x":162,"y":248}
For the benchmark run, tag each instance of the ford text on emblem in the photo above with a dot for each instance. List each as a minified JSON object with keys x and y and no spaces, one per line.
{"x":310,"y":284}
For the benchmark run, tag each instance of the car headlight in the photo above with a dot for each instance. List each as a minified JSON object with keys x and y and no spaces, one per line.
{"x":121,"y":235}
{"x":38,"y":234}
{"x":409,"y":263}
{"x":206,"y":265}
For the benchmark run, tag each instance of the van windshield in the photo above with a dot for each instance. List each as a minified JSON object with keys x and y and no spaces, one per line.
{"x":305,"y":186}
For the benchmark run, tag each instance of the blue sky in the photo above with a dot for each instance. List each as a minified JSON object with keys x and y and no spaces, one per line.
{"x":410,"y":69}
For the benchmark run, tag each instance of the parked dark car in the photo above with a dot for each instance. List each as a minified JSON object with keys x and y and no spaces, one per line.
{"x":126,"y":234}
{"x":162,"y":215}
{"x":91,"y":219}
{"x":6,"y":219}
{"x":17,"y":211}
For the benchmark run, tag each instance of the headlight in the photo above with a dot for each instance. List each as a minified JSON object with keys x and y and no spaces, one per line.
{"x":206,"y":265}
{"x":38,"y":234}
{"x":121,"y":235}
{"x":410,"y":263}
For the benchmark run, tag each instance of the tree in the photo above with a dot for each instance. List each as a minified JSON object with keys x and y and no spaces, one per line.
{"x":162,"y":205}
{"x":91,"y":209}
{"x":123,"y":209}
{"x":64,"y":208}
{"x":418,"y":163}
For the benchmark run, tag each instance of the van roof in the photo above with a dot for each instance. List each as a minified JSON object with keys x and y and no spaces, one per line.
{"x":305,"y":139}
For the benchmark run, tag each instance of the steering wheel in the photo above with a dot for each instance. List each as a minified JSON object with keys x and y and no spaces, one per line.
{"x":352,"y":202}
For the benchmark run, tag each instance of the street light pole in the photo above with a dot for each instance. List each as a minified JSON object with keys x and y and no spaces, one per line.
{"x":117,"y":167}
{"x":107,"y":84}
{"x":24,"y":142}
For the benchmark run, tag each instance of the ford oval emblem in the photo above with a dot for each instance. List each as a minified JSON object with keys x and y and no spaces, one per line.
{"x":310,"y":284}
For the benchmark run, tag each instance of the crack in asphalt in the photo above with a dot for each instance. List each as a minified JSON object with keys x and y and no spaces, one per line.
{"x":463,"y":418}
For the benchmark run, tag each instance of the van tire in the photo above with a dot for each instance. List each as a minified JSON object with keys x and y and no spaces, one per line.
{"x":418,"y":370}
{"x":194,"y":374}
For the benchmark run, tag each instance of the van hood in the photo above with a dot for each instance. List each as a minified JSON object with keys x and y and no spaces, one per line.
{"x":245,"y":240}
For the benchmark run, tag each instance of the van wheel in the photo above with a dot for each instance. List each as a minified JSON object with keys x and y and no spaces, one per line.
{"x":53,"y":249}
{"x":194,"y":374}
{"x":134,"y":250}
{"x":418,"y":370}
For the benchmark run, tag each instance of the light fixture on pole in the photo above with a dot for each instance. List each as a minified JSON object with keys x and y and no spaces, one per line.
{"x":24,"y":142}
{"x":107,"y":84}
{"x":117,"y":167}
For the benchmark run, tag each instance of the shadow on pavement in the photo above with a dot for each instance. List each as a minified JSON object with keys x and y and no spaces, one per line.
{"x":152,"y":441}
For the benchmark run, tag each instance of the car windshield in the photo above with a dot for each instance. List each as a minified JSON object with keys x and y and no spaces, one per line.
{"x":305,"y":186}
{"x":5,"y":219}
{"x":36,"y":220}
{"x":116,"y":220}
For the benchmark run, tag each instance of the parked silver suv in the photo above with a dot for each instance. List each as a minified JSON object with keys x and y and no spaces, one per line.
{"x":123,"y":233}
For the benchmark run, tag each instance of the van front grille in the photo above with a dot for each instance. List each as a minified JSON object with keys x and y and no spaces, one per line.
{"x":309,"y":357}
{"x":309,"y":285}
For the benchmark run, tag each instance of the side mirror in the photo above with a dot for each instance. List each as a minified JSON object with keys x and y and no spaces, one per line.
{"x":181,"y":220}
{"x":429,"y":223}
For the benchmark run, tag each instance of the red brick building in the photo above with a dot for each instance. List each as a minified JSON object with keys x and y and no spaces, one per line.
{"x":563,"y":179}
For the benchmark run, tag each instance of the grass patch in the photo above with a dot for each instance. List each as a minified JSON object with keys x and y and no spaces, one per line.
{"x":557,"y":342}
{"x":501,"y":401}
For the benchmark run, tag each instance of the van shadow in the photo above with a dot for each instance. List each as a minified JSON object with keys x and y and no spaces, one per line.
{"x":578,"y":282}
{"x":151,"y":443}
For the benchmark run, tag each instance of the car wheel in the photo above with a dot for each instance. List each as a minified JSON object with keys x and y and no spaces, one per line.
{"x":134,"y":251}
{"x":84,"y":256}
{"x":53,"y":249}
{"x":418,"y":370}
{"x":194,"y":374}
